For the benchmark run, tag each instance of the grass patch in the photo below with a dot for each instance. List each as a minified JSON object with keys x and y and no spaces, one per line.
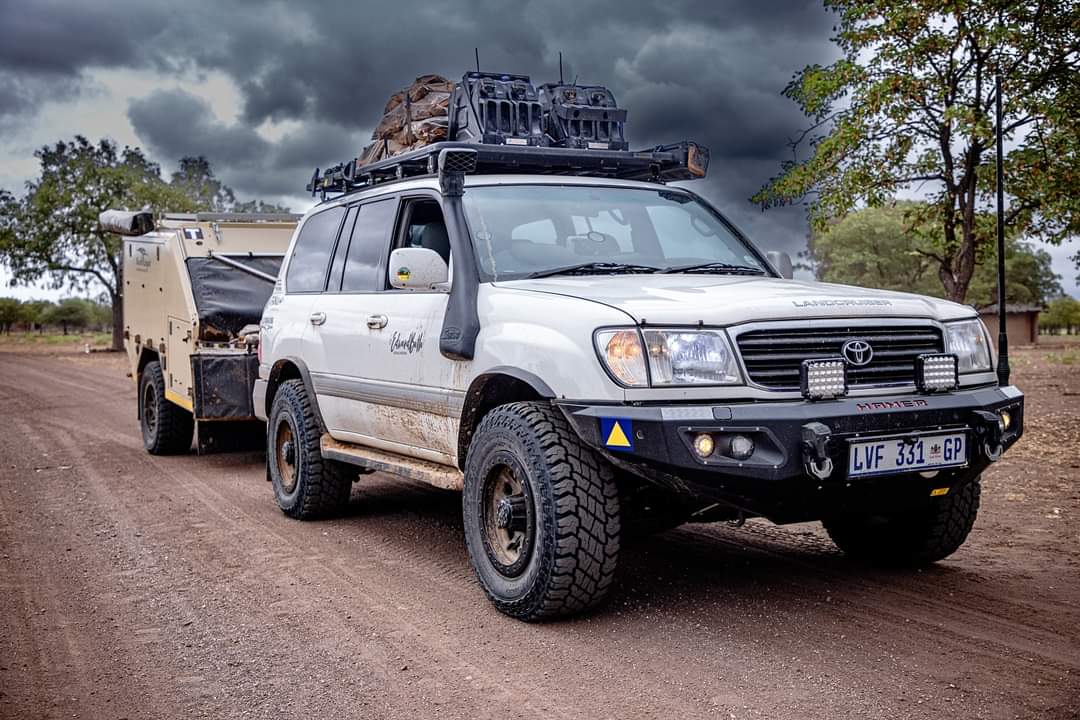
{"x":95,"y":339}
{"x":1064,"y":358}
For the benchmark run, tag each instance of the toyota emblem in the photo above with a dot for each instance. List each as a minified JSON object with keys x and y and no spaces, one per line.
{"x":857,"y":352}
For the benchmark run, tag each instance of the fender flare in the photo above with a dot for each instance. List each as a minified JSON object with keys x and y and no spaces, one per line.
{"x":273,"y":380}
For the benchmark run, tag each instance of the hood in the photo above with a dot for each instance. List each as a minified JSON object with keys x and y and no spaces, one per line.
{"x":731,"y":299}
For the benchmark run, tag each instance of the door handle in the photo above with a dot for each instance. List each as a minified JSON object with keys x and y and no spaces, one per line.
{"x":377,"y":322}
{"x":318,"y":318}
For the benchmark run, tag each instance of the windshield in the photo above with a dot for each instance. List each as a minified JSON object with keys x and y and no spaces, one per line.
{"x":534,"y":230}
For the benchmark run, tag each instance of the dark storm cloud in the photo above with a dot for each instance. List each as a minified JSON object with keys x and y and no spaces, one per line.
{"x":61,"y":38}
{"x":174,"y":123}
{"x":703,"y":69}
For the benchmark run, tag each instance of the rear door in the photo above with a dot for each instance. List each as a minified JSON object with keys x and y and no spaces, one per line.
{"x":292,"y":319}
{"x":339,"y":352}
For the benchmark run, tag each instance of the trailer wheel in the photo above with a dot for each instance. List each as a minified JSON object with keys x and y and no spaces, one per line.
{"x":166,"y":427}
{"x":910,"y":538}
{"x":541,"y":514}
{"x":306,"y":485}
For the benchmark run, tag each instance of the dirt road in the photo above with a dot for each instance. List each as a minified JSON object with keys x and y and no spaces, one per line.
{"x":143,"y":587}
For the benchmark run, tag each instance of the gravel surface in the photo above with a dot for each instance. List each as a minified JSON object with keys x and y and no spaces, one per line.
{"x":141,"y":587}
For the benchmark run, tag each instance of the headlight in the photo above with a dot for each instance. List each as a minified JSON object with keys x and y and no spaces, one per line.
{"x":675,"y":357}
{"x":967,"y":340}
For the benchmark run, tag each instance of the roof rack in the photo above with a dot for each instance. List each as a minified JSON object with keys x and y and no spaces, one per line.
{"x":232,"y":217}
{"x":680,"y":161}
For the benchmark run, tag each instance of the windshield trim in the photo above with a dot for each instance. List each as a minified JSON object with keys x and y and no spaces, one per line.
{"x":486,"y":277}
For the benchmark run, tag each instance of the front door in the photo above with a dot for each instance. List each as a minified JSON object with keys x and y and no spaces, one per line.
{"x":388,"y":381}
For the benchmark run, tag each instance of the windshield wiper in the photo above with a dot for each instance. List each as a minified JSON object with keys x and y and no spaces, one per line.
{"x":595,"y":268}
{"x":720,"y":268}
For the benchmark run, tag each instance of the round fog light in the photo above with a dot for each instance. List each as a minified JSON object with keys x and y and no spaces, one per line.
{"x":704,"y":445}
{"x":742,"y":447}
{"x":1006,"y":420}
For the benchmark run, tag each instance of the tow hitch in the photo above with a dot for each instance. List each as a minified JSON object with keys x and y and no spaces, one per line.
{"x":815,"y":439}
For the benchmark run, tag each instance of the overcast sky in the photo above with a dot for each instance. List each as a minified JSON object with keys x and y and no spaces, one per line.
{"x":267,"y":91}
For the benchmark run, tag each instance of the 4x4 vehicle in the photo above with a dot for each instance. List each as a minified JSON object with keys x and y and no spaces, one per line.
{"x":585,"y":355}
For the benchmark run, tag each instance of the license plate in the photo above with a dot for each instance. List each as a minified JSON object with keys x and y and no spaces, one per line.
{"x":905,"y":454}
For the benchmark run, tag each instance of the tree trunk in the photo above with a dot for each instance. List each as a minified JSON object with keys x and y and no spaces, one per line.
{"x":117,"y":322}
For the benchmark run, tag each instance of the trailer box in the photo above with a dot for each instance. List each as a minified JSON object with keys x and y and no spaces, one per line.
{"x":194,"y":290}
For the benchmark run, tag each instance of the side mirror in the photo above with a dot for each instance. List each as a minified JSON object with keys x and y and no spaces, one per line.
{"x":417,"y":269}
{"x":782,"y":262}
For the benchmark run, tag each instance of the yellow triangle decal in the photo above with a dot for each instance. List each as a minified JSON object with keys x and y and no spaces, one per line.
{"x":617,"y":438}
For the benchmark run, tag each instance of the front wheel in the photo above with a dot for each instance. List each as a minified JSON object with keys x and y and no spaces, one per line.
{"x":913,"y":537}
{"x":541,"y":514}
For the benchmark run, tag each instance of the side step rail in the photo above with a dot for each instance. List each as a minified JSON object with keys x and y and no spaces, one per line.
{"x":431,"y":473}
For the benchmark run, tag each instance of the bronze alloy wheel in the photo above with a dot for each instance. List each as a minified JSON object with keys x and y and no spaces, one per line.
{"x":509,"y":527}
{"x":285,"y":450}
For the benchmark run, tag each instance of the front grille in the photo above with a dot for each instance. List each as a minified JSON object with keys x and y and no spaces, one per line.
{"x":773,"y":356}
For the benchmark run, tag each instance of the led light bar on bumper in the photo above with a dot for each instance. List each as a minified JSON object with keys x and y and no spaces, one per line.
{"x":667,"y":357}
{"x":823,"y":379}
{"x":936,"y":373}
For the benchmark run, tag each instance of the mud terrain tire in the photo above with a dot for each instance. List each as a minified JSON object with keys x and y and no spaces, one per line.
{"x":306,"y":485}
{"x":912,"y":538}
{"x":527,"y":469}
{"x":166,"y":427}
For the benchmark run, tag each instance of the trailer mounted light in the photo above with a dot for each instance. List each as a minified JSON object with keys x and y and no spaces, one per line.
{"x":823,"y":379}
{"x":936,"y":373}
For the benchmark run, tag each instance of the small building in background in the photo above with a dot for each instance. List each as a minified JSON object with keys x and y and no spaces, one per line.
{"x":1021,"y":322}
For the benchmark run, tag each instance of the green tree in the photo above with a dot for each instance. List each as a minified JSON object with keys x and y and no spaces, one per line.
{"x":883,"y":247}
{"x":69,"y":313}
{"x":53,"y":232}
{"x":874,"y":247}
{"x":11,"y":312}
{"x":258,"y":206}
{"x":1029,"y":276}
{"x":34,"y":312}
{"x":1063,"y":313}
{"x":910,"y":106}
{"x":196,"y":179}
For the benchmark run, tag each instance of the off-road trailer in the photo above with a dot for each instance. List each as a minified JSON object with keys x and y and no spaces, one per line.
{"x":194,"y":290}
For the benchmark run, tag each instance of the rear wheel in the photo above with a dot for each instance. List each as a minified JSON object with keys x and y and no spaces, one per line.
{"x":166,"y":427}
{"x":911,"y":537}
{"x":541,"y":514}
{"x":306,"y":485}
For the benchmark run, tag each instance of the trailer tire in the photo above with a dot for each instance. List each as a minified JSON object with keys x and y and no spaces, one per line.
{"x":307,"y":486}
{"x":166,"y":427}
{"x":541,"y":513}
{"x":910,"y":538}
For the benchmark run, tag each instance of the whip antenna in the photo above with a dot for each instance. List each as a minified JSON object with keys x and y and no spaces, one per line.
{"x":1003,"y":338}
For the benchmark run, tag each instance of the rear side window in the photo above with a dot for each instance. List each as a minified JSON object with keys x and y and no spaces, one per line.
{"x":370,"y":238}
{"x":307,"y":267}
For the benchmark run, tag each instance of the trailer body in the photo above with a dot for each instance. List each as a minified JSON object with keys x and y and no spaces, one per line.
{"x":194,"y":291}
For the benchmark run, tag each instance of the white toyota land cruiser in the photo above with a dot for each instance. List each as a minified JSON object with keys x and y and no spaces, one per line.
{"x":585,"y":355}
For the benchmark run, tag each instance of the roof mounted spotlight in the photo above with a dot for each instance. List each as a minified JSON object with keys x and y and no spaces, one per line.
{"x":453,"y":164}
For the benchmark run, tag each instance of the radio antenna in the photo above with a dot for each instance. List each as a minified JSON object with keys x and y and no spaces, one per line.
{"x":561,"y":82}
{"x":1003,"y":338}
{"x":476,"y":50}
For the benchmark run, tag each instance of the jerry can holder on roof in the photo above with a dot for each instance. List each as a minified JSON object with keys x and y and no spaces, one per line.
{"x":496,"y":109}
{"x":583,"y":116}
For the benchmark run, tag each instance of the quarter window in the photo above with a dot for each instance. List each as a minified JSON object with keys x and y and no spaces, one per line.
{"x":307,"y":267}
{"x":370,"y":238}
